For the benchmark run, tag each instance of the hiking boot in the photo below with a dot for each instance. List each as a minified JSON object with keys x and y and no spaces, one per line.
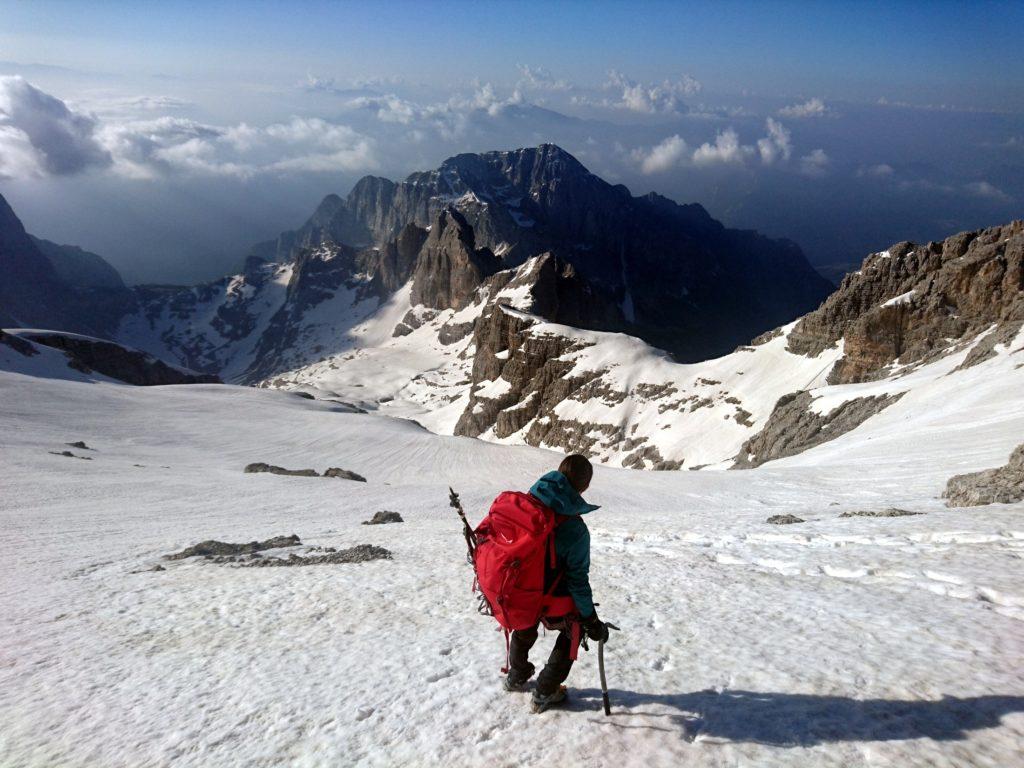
{"x":541,"y":702}
{"x":518,"y":681}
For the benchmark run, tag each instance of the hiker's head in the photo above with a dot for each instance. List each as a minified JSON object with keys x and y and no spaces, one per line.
{"x":577,"y":470}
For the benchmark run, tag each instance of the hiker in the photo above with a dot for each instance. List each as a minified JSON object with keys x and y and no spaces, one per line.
{"x":568,"y":601}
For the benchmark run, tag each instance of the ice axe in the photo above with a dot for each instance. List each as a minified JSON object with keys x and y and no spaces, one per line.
{"x":600,"y":667}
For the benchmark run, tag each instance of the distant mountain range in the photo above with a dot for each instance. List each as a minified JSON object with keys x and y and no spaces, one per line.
{"x":516,"y":297}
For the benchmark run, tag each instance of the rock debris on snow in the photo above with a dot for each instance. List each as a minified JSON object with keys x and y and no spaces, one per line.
{"x":890,"y":512}
{"x":213,"y":548}
{"x":70,"y":455}
{"x":361,"y":553}
{"x":384,"y":517}
{"x":259,"y":466}
{"x":785,"y":520}
{"x":344,"y":474}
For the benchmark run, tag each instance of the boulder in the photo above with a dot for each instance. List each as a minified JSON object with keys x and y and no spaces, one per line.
{"x":785,"y":520}
{"x":259,"y":466}
{"x":383,"y":517}
{"x":1002,"y":485}
{"x":344,"y":474}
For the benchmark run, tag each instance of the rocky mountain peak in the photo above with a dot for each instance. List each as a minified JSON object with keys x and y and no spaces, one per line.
{"x":911,"y":302}
{"x":450,"y":267}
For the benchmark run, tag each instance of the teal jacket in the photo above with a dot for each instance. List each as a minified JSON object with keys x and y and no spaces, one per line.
{"x":572,"y":539}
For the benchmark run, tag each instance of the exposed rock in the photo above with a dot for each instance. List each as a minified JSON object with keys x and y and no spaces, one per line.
{"x":361,"y":553}
{"x":450,"y":333}
{"x":79,"y":268}
{"x":18,"y":344}
{"x":785,"y":520}
{"x":80,"y":444}
{"x":259,"y":466}
{"x":1003,"y":485}
{"x":344,"y":474}
{"x":649,"y":455}
{"x":450,"y":267}
{"x":985,"y":348}
{"x":413,"y":319}
{"x":131,"y":366}
{"x":911,"y":302}
{"x":69,"y":455}
{"x":35,"y":294}
{"x":765,"y":337}
{"x":528,"y":365}
{"x":397,"y":258}
{"x":693,"y":286}
{"x":213,"y":548}
{"x":890,"y":512}
{"x":383,"y":517}
{"x":303,"y":395}
{"x":794,"y":427}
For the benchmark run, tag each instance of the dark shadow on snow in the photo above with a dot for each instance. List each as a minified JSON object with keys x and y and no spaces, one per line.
{"x":790,"y":719}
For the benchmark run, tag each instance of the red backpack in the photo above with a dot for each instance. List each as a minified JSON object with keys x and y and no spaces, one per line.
{"x":512,"y":544}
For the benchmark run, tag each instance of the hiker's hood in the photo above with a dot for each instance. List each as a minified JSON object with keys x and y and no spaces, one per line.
{"x":555,"y":491}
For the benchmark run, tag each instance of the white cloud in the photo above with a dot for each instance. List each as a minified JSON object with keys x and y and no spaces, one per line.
{"x":811,"y":108}
{"x":776,"y":145}
{"x":651,"y":98}
{"x":666,"y":155}
{"x":726,"y":149}
{"x":987,"y":190}
{"x":145,"y":149}
{"x":389,"y":109}
{"x":40,"y":135}
{"x":879,"y":171}
{"x":540,"y":79}
{"x":814,"y":163}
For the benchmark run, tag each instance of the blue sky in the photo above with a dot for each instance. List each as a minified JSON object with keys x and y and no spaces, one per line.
{"x":844,"y":126}
{"x":965,"y":53}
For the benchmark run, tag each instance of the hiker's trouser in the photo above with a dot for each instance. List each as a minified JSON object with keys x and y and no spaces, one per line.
{"x":554,"y":672}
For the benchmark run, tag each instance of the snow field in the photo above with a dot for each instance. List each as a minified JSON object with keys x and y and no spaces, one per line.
{"x":836,"y":642}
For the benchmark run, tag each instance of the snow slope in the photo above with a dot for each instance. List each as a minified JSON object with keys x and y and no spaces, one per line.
{"x":836,"y":642}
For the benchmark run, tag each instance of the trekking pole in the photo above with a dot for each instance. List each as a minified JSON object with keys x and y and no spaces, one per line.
{"x":456,"y":504}
{"x":600,"y":668}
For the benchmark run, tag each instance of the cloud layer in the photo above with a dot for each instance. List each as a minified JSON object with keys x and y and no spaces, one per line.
{"x":726,"y":149}
{"x":41,"y":136}
{"x":810,"y":108}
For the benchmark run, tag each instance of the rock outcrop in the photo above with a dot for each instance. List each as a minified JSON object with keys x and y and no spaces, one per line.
{"x":1003,"y":485}
{"x":86,"y":354}
{"x":80,"y":293}
{"x":794,"y":426}
{"x":912,"y":302}
{"x":450,"y":267}
{"x":272,"y":469}
{"x":683,"y":281}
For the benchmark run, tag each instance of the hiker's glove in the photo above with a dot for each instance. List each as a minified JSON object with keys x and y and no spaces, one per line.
{"x":595,"y":628}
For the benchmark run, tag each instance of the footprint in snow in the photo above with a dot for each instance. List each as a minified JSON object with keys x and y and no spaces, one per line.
{"x":661,"y":664}
{"x":364,"y":712}
{"x":440,"y":676}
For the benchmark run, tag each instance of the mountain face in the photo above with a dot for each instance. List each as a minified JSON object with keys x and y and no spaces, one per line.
{"x":906,"y":304}
{"x":47,"y":285}
{"x":682,"y":281}
{"x":79,"y":268}
{"x":517,"y":364}
{"x":516,"y":298}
